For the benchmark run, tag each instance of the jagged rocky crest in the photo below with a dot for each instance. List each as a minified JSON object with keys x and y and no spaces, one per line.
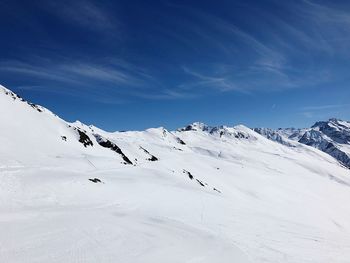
{"x":238,"y":132}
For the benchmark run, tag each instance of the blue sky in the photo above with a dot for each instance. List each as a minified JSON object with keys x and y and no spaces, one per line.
{"x":124,"y":65}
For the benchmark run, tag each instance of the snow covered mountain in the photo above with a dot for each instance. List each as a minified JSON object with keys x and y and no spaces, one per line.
{"x":332,"y":137}
{"x":276,"y":135}
{"x":75,"y":193}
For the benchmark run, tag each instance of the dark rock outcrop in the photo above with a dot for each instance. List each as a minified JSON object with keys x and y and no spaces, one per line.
{"x":108,"y":144}
{"x":84,"y":138}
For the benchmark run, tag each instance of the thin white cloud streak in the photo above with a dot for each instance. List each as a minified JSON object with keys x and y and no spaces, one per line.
{"x":42,"y":72}
{"x":218,"y":83}
{"x":75,"y":72}
{"x":84,"y":13}
{"x":322,"y":111}
{"x":92,"y":95}
{"x":252,"y":79}
{"x":100,"y":73}
{"x":115,"y":76}
{"x":325,"y":107}
{"x":166,"y":94}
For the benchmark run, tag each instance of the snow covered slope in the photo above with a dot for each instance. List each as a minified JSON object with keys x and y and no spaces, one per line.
{"x":332,"y":137}
{"x":75,"y":193}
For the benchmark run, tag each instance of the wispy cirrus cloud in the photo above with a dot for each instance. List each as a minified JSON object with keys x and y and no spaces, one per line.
{"x":79,"y":78}
{"x":84,"y":13}
{"x":75,"y":71}
{"x":325,"y":107}
{"x":69,"y":72}
{"x":323,"y":111}
{"x":117,"y":77}
{"x":165,"y":94}
{"x":266,"y":52}
{"x":100,"y":72}
{"x":220,"y":83}
{"x":225,"y":37}
{"x":255,"y":78}
{"x":286,"y":55}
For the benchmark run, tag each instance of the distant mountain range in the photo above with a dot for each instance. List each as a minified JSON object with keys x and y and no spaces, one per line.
{"x":331,"y":137}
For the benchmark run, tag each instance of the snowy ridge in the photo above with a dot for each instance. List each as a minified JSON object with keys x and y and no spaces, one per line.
{"x":70,"y":192}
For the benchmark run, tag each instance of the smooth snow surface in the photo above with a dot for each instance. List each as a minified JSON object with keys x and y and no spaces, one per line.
{"x":208,"y":195}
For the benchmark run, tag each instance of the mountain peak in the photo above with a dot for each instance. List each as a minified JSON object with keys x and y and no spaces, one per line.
{"x":334,"y":120}
{"x":196,"y":126}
